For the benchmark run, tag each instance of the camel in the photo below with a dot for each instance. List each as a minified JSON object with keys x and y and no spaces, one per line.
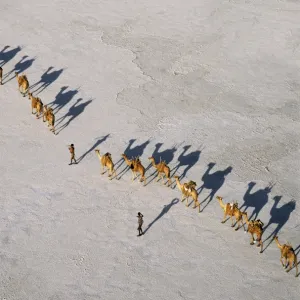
{"x":39,"y":108}
{"x":162,"y":170}
{"x":46,"y":111}
{"x":136,"y":167}
{"x":288,"y":253}
{"x":106,"y":161}
{"x":1,"y":75}
{"x":34,"y":102}
{"x":23,"y":83}
{"x":50,"y":117}
{"x":188,"y":190}
{"x":255,"y":227}
{"x":232,"y":210}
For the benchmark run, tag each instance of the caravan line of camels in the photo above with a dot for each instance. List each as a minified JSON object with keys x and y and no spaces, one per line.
{"x":187,"y":189}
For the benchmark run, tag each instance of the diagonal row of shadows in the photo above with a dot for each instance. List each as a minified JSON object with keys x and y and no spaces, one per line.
{"x":211,"y":181}
{"x":50,"y":75}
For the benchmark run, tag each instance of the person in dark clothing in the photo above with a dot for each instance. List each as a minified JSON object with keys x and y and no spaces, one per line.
{"x":140,"y":223}
{"x":72,"y":152}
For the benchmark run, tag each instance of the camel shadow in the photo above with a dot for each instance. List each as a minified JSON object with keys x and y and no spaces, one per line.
{"x":257,"y":200}
{"x":188,"y":160}
{"x":46,"y":79}
{"x":74,"y":111}
{"x":62,"y":99}
{"x":5,"y":57}
{"x":213,"y":182}
{"x":165,"y":155}
{"x":165,"y":210}
{"x":20,"y":67}
{"x":279,"y":216}
{"x":98,"y":142}
{"x":136,"y":151}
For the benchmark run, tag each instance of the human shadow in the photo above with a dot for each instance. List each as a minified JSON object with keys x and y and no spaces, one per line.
{"x":46,"y":79}
{"x":136,"y":151}
{"x":279,"y":216}
{"x":62,"y":99}
{"x":20,"y":67}
{"x":74,"y":111}
{"x":98,"y":142}
{"x":213,"y":182}
{"x":6,"y":56}
{"x":165,"y":210}
{"x":166,"y":155}
{"x":188,"y":160}
{"x":257,"y":200}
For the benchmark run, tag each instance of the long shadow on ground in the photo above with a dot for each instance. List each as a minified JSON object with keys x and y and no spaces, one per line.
{"x":98,"y":142}
{"x":279,"y":216}
{"x":130,"y":152}
{"x":46,"y":80}
{"x":20,"y":67}
{"x":62,"y":99}
{"x":257,"y":200}
{"x":74,"y":111}
{"x":165,"y":210}
{"x":213,"y":182}
{"x":6,"y":56}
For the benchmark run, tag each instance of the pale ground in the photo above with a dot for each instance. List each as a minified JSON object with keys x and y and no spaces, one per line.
{"x":220,"y":77}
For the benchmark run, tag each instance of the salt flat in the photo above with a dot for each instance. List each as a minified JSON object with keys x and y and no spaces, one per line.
{"x":212,"y":88}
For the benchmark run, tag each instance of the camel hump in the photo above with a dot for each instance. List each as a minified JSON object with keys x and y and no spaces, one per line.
{"x":259,"y":223}
{"x":107,"y":154}
{"x":191,"y":183}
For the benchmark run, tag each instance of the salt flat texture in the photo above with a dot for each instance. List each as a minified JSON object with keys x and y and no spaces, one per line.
{"x":192,"y":82}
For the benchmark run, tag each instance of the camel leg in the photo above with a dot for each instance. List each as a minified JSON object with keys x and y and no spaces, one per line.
{"x":290,"y":263}
{"x":103,"y":170}
{"x":231,"y":221}
{"x":224,"y":218}
{"x":261,"y":245}
{"x":182,"y":197}
{"x":187,"y":201}
{"x":252,"y":239}
{"x":144,"y":179}
{"x":199,"y":207}
{"x":283,"y":265}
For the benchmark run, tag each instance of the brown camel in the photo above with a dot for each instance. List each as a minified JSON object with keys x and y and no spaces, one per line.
{"x":136,"y":167}
{"x":46,"y":111}
{"x":34,"y":102}
{"x":162,"y":170}
{"x":188,"y":190}
{"x":232,"y":210}
{"x":39,"y":108}
{"x":255,"y":227}
{"x":106,"y":161}
{"x":22,"y":83}
{"x":50,"y":117}
{"x":1,"y":75}
{"x":288,"y":253}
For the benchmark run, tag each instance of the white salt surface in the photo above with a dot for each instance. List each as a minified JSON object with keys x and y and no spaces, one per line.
{"x":197,"y":82}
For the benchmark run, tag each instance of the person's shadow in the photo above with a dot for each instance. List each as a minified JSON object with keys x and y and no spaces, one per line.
{"x":279,"y":216}
{"x":20,"y":67}
{"x":99,"y":141}
{"x":6,"y":56}
{"x":136,"y":151}
{"x":74,"y":111}
{"x":213,"y":182}
{"x":188,"y":160}
{"x":257,"y":200}
{"x":46,"y":79}
{"x":165,"y":210}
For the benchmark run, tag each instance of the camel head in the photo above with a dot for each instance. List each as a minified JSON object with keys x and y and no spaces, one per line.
{"x":97,"y":150}
{"x":151,"y":158}
{"x":17,"y":74}
{"x":176,"y":177}
{"x":219,"y":198}
{"x":123,"y":155}
{"x":276,"y":238}
{"x":29,"y":95}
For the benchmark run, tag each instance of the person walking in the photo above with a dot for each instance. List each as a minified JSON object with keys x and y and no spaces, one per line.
{"x":140,"y":223}
{"x":72,"y":152}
